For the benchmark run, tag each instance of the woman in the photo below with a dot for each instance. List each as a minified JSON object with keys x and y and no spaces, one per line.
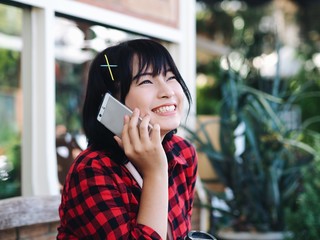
{"x":101,"y":199}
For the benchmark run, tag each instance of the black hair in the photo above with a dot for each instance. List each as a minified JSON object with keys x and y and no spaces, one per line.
{"x":149,"y":53}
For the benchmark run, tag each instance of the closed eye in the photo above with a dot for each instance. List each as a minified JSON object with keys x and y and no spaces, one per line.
{"x":172,"y":78}
{"x":144,"y":82}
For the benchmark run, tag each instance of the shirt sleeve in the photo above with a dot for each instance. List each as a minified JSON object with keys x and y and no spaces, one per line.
{"x":192,"y":173}
{"x":97,"y":207}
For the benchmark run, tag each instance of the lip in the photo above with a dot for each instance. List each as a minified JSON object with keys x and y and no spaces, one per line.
{"x":156,"y":109}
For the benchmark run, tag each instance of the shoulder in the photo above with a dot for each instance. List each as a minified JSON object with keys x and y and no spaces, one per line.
{"x":93,"y":158}
{"x":93,"y":167}
{"x":182,"y":147}
{"x":182,"y":143}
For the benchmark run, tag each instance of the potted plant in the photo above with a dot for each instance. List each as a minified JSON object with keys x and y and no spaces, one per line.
{"x":261,"y":155}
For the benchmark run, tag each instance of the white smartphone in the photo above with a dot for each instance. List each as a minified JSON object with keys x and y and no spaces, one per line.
{"x":111,"y":114}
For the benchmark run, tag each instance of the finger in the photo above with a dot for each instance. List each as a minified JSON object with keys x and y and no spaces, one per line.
{"x":124,"y":135}
{"x":155,"y":133}
{"x":144,"y":128}
{"x":133,"y":130}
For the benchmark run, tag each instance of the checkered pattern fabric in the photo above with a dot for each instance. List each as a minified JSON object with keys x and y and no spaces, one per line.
{"x":100,"y":199}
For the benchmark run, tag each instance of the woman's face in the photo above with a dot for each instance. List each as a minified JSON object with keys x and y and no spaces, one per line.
{"x":160,"y":96}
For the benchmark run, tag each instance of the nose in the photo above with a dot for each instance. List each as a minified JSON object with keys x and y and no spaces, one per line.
{"x":165,"y":90}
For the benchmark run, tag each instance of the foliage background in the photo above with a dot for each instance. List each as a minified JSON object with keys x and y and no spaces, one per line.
{"x":245,"y":28}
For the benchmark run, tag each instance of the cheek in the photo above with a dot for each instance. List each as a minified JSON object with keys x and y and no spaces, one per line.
{"x":129,"y":101}
{"x":135,"y":101}
{"x":180,"y":94}
{"x":181,"y":100}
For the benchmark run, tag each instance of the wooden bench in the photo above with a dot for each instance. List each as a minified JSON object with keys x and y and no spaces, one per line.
{"x":29,"y":217}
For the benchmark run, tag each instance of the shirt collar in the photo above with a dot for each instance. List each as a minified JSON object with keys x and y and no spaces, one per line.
{"x":173,"y":152}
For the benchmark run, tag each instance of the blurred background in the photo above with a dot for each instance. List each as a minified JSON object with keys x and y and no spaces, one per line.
{"x":253,"y":70}
{"x":257,"y":96}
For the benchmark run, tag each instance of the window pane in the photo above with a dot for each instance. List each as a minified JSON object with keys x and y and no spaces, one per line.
{"x":10,"y":101}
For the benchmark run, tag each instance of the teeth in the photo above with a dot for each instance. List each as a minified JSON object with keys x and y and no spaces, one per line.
{"x":165,"y":109}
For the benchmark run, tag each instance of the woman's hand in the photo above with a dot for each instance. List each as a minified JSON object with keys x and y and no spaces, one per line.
{"x":143,"y":146}
{"x":146,"y":153}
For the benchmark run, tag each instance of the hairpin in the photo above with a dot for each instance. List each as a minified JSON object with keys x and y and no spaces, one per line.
{"x":109,"y":66}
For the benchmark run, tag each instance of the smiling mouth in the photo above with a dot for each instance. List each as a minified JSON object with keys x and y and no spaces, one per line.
{"x":165,"y":109}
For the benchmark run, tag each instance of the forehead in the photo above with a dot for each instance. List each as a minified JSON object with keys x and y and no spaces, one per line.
{"x":141,"y":65}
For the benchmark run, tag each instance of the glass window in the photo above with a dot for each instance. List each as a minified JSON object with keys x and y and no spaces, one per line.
{"x":76,"y":43}
{"x":10,"y":101}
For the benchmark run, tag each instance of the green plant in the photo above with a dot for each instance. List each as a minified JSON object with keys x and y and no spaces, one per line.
{"x":261,"y":155}
{"x":10,"y":167}
{"x":303,"y":222}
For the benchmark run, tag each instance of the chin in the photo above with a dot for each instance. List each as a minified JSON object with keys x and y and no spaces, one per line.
{"x":169,"y":125}
{"x":168,"y":129}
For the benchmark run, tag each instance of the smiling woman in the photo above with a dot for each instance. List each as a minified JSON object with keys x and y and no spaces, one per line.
{"x":147,"y":81}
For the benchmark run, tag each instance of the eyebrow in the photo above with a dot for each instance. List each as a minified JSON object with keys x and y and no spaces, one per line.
{"x":136,"y":77}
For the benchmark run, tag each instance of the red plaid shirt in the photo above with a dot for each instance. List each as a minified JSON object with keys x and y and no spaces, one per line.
{"x":100,"y":199}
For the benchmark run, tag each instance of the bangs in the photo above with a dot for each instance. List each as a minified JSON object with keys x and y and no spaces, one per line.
{"x":157,"y":65}
{"x":154,"y":57}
